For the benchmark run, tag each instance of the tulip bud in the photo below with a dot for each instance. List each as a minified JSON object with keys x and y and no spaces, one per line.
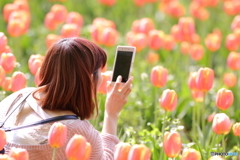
{"x":211,"y":116}
{"x":169,"y":42}
{"x":221,"y":124}
{"x":224,"y":99}
{"x":2,"y":139}
{"x":236,"y":129}
{"x":233,"y":60}
{"x":50,"y":21}
{"x":205,"y":78}
{"x":57,"y":135}
{"x":122,"y":151}
{"x":159,"y":76}
{"x":8,"y":9}
{"x":235,"y":23}
{"x":172,"y":144}
{"x":155,"y":39}
{"x":191,"y":154}
{"x":192,"y":83}
{"x":2,"y":75}
{"x":51,"y":39}
{"x":19,"y":81}
{"x":34,"y":62}
{"x":196,"y":52}
{"x":168,"y":100}
{"x":8,"y":62}
{"x":7,"y":84}
{"x":77,"y":147}
{"x":76,"y":18}
{"x":70,"y":30}
{"x":37,"y":77}
{"x":231,"y":42}
{"x":60,"y":13}
{"x":109,"y":36}
{"x":152,"y":57}
{"x":19,"y":153}
{"x":106,"y":76}
{"x":213,"y":42}
{"x":3,"y":42}
{"x":107,"y":2}
{"x":185,"y":47}
{"x":230,"y":79}
{"x":139,"y":152}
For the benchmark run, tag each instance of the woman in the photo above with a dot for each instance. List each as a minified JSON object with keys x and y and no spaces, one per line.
{"x":70,"y":76}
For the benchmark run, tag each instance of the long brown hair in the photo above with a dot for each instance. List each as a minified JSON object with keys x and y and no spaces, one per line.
{"x":69,"y":74}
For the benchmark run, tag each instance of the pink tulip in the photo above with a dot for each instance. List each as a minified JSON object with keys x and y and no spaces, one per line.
{"x":77,"y":147}
{"x":191,"y":154}
{"x":224,"y":99}
{"x":109,"y":36}
{"x":155,"y":39}
{"x":158,"y":76}
{"x":34,"y":62}
{"x":3,"y":42}
{"x":221,"y":124}
{"x":57,"y":135}
{"x":172,"y":144}
{"x":37,"y":78}
{"x":233,"y":60}
{"x":107,"y":2}
{"x":19,"y":153}
{"x":70,"y":30}
{"x":230,"y":79}
{"x":168,"y":100}
{"x":19,"y":81}
{"x":204,"y":79}
{"x":60,"y":13}
{"x":50,"y":22}
{"x":76,"y":18}
{"x":139,"y":152}
{"x":122,"y":151}
{"x":2,"y":75}
{"x":196,"y":52}
{"x":8,"y":62}
{"x":231,"y":42}
{"x":2,"y":139}
{"x":7,"y":84}
{"x":236,"y":129}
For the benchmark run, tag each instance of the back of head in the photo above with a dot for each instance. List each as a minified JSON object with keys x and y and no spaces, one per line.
{"x":69,"y":74}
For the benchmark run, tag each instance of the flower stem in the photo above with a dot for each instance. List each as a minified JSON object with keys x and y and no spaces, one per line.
{"x":223,"y":144}
{"x":203,"y":114}
{"x":54,"y":153}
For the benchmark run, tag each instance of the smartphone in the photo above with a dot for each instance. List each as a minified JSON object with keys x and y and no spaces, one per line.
{"x":123,"y":62}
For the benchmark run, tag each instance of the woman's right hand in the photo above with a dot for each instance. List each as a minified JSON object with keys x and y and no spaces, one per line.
{"x":117,"y":95}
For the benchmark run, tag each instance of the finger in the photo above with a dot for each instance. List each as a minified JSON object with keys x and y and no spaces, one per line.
{"x":128,"y":91}
{"x":127,"y":85}
{"x":117,"y":83}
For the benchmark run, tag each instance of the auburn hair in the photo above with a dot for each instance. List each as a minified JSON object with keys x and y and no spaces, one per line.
{"x":70,"y":75}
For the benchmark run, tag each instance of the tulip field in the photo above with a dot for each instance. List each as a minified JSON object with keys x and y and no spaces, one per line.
{"x":185,"y":100}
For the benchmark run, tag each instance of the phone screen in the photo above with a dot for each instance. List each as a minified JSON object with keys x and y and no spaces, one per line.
{"x":122,"y":65}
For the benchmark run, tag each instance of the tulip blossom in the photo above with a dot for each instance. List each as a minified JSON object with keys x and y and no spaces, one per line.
{"x":175,"y":9}
{"x":2,"y":139}
{"x":76,"y":18}
{"x":122,"y":151}
{"x":213,"y":42}
{"x":231,"y":42}
{"x":211,"y":116}
{"x":3,"y":42}
{"x":191,"y":154}
{"x":107,"y":2}
{"x":50,"y":21}
{"x":169,"y":42}
{"x":152,"y":57}
{"x":230,"y":79}
{"x":221,"y":124}
{"x":60,"y":13}
{"x":159,"y":76}
{"x":196,"y":52}
{"x":233,"y":60}
{"x":2,"y":75}
{"x":57,"y":135}
{"x":192,"y":83}
{"x":236,"y":129}
{"x":144,"y":25}
{"x":7,"y":84}
{"x":70,"y":30}
{"x":106,"y":76}
{"x":8,"y":62}
{"x":224,"y":99}
{"x":109,"y":36}
{"x":8,"y":9}
{"x":139,"y":40}
{"x":37,"y":78}
{"x":172,"y":144}
{"x":168,"y":100}
{"x":19,"y":153}
{"x":19,"y":81}
{"x":34,"y":62}
{"x":204,"y":79}
{"x":198,"y":11}
{"x":235,"y":23}
{"x":51,"y":39}
{"x":229,"y":8}
{"x":139,"y":152}
{"x":155,"y":39}
{"x":16,"y":27}
{"x":78,"y":148}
